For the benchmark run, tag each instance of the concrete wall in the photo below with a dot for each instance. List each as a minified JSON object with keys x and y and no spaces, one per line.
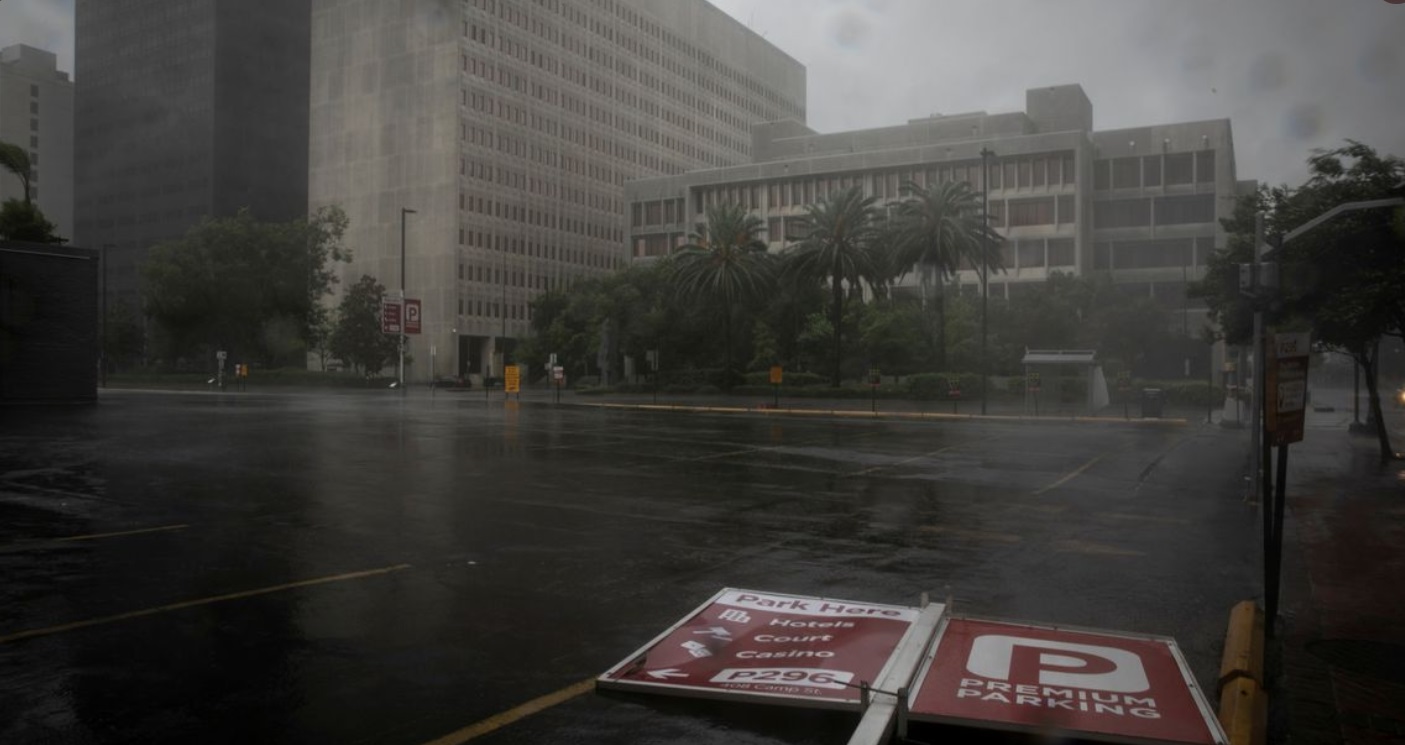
{"x":48,"y":323}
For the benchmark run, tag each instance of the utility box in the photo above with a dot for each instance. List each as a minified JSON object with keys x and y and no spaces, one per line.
{"x":1153,"y":403}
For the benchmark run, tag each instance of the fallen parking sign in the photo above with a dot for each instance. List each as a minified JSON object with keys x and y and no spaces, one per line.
{"x":768,"y":647}
{"x":1026,"y":677}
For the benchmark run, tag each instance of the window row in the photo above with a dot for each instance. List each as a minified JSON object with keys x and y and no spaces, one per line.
{"x":1147,"y":211}
{"x":1152,"y":254}
{"x":1169,"y":169}
{"x":584,"y":257}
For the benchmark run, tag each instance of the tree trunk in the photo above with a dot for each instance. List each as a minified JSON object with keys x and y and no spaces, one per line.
{"x":838,"y":292}
{"x":941,"y":325}
{"x":1369,"y":366}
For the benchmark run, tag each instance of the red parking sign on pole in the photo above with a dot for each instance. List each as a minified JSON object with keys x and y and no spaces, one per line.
{"x":412,"y":316}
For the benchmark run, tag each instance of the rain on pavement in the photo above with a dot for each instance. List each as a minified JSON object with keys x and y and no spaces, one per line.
{"x":400,"y":569}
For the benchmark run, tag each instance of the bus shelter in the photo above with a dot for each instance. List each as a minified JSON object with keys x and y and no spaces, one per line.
{"x":1039,"y":363}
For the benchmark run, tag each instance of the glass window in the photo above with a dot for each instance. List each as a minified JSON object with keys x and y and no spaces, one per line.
{"x":1102,"y":174}
{"x":1031,"y":253}
{"x":1122,"y":213}
{"x":1195,"y":208}
{"x":1151,"y":170}
{"x":1024,"y":173}
{"x":1054,"y":177}
{"x":1067,"y":211}
{"x":1068,"y":169}
{"x":1178,"y":168}
{"x":1031,"y":212}
{"x":997,"y":213}
{"x":995,"y":176}
{"x":1011,"y":177}
{"x":1152,"y":254}
{"x":1039,"y":172}
{"x":1102,"y":255}
{"x":1126,"y":173}
{"x":1061,"y":252}
{"x":1205,"y":166}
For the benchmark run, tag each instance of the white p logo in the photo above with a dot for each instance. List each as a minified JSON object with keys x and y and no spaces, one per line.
{"x":1051,"y":663}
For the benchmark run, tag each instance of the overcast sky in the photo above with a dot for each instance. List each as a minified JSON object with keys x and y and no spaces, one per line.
{"x":1291,"y":75}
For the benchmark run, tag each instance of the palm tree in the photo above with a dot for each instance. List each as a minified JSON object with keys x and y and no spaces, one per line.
{"x":725,"y":263}
{"x":840,"y":234}
{"x":935,"y":229}
{"x":14,"y":159}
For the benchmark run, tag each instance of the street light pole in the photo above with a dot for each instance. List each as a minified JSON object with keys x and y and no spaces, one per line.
{"x":986,"y":154}
{"x":102,"y":351}
{"x":401,"y":377}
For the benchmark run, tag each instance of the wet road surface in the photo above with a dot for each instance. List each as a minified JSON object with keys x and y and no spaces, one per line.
{"x":373,"y":569}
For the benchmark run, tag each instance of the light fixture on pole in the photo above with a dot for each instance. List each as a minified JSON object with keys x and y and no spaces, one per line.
{"x":400,"y":379}
{"x":986,"y":155}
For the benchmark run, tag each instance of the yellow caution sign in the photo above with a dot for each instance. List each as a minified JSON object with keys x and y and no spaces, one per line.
{"x":512,"y":379}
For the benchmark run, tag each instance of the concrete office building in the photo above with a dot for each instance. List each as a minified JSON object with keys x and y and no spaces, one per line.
{"x":36,"y":113}
{"x":186,"y":109}
{"x":1141,"y":203}
{"x":510,"y":128}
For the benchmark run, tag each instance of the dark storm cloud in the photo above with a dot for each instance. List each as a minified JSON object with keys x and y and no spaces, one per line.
{"x":1292,"y":75}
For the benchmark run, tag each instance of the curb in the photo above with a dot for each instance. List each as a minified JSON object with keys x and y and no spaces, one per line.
{"x":860,"y":414}
{"x":1243,"y":701}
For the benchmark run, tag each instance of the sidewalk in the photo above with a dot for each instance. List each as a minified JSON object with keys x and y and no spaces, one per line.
{"x":1341,"y":641}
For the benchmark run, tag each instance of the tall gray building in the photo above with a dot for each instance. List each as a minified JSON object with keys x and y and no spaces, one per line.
{"x":36,"y":113}
{"x":510,"y":127}
{"x":186,"y":109}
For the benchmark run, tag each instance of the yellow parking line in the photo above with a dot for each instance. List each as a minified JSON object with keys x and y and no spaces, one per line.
{"x":1075,"y":473}
{"x":522,"y":711}
{"x":17,"y":636}
{"x":123,"y":532}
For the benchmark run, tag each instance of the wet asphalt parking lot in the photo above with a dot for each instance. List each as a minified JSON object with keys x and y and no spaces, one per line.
{"x":377,"y":568}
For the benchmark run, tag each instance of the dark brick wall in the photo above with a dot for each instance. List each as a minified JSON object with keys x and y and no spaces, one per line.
{"x":48,"y":323}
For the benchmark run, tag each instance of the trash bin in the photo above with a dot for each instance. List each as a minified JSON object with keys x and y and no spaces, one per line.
{"x":1153,"y":401}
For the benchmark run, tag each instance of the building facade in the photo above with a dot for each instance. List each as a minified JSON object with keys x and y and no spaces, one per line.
{"x":510,"y":127}
{"x":1142,"y":204}
{"x":185,"y":109}
{"x":36,"y":113}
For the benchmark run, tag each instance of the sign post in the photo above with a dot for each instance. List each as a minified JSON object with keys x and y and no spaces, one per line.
{"x":1285,"y":411}
{"x":1032,"y":383}
{"x":221,"y":356}
{"x":770,"y":648}
{"x":777,"y":374}
{"x":874,"y":378}
{"x":1124,"y":386}
{"x":558,"y":377}
{"x":953,"y":392}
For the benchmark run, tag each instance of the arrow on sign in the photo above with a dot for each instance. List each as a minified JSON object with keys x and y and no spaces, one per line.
{"x":716,"y":632}
{"x":669,"y":673}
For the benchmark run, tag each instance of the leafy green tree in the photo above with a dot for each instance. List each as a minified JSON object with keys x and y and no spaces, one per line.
{"x":122,"y":345}
{"x":725,"y":266}
{"x":243,"y":285}
{"x":1342,"y":279}
{"x":23,"y":221}
{"x":839,"y":235}
{"x":356,"y":337}
{"x":935,"y":229}
{"x":890,"y":335}
{"x":15,"y":159}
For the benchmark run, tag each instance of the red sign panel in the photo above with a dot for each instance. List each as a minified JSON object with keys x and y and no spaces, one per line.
{"x":390,"y":317}
{"x":1285,"y":409}
{"x":769,"y":647}
{"x":1025,"y":677}
{"x":412,"y":316}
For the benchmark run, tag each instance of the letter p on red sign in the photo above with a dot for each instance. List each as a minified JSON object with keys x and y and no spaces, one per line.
{"x":1061,"y":664}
